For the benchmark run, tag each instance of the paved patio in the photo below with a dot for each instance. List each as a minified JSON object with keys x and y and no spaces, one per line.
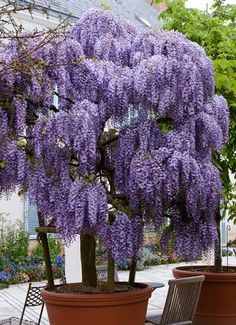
{"x":12,"y":299}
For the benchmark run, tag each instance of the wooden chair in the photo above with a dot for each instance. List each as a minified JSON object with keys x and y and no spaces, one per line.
{"x":181,"y":302}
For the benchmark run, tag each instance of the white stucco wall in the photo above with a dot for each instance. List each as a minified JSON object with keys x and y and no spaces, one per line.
{"x":232,"y":231}
{"x":13,"y":207}
{"x":37,"y":20}
{"x":73,"y":270}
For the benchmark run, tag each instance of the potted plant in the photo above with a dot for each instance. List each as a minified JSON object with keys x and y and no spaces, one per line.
{"x":154,"y":165}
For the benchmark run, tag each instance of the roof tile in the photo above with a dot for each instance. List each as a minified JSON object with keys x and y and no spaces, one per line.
{"x":128,"y":9}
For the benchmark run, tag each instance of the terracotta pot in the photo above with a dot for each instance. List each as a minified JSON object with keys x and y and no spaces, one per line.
{"x":126,"y":308}
{"x":217,"y":302}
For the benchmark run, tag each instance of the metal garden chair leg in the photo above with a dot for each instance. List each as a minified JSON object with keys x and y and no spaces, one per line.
{"x":33,"y":298}
{"x":40,"y":315}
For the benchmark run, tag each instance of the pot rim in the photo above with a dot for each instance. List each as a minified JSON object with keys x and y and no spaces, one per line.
{"x":219,"y":276}
{"x":121,"y":297}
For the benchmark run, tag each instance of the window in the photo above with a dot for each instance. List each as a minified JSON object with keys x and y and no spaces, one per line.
{"x":31,"y":218}
{"x":223,"y":233}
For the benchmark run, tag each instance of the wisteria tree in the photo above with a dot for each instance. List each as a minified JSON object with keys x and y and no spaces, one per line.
{"x":156,"y":89}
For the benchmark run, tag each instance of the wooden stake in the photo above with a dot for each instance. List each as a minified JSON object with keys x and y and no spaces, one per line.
{"x":47,"y":259}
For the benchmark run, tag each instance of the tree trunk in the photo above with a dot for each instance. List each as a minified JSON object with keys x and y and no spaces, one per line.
{"x":217,"y":248}
{"x":88,"y":256}
{"x":111,"y":275}
{"x":132,"y":272}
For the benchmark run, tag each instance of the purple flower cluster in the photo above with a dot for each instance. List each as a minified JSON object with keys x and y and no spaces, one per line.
{"x":53,"y":130}
{"x":104,"y":36}
{"x":5,"y":277}
{"x":124,"y":237}
{"x":75,"y":131}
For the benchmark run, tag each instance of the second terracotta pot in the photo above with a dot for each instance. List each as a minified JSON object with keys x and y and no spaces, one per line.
{"x":217,"y":302}
{"x":127,"y":308}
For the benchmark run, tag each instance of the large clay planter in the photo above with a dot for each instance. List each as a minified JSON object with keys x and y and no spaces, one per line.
{"x":217,"y":302}
{"x":127,"y":308}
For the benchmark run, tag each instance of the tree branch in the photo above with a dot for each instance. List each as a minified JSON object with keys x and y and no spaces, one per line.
{"x":63,"y":97}
{"x":109,"y":141}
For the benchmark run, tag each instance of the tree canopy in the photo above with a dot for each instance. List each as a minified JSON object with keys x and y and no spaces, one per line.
{"x":155,"y":168}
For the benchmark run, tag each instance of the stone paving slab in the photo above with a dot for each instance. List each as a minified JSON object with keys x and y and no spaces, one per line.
{"x":14,"y":298}
{"x":16,"y":321}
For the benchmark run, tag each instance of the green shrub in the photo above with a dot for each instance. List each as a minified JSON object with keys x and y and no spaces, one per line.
{"x":3,"y":263}
{"x":15,"y":264}
{"x":146,"y":258}
{"x":3,"y":286}
{"x":14,"y":241}
{"x":232,"y":243}
{"x":54,"y":244}
{"x":226,"y":252}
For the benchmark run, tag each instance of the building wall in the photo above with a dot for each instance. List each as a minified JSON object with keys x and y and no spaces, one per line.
{"x":13,"y":207}
{"x":232,"y":226}
{"x":37,"y":20}
{"x":232,"y":230}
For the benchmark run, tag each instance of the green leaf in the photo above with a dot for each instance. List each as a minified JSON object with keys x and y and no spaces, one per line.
{"x":2,"y":164}
{"x":22,"y":143}
{"x":105,"y":5}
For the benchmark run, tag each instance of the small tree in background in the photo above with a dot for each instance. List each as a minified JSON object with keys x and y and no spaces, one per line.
{"x":156,"y":168}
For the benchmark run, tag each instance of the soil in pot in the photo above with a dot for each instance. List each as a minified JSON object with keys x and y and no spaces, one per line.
{"x":78,"y":288}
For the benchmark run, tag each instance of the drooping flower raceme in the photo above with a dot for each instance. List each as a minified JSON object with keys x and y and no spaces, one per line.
{"x":157,"y":90}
